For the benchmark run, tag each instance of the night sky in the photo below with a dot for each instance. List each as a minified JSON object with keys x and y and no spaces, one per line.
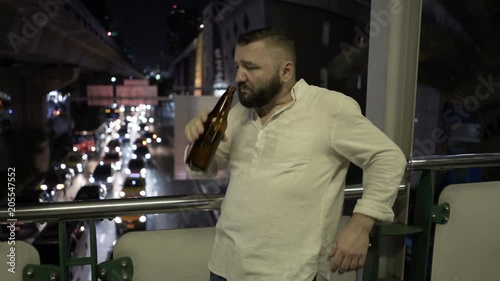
{"x":144,"y":27}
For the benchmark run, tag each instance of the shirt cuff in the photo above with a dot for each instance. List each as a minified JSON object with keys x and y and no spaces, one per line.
{"x":375,"y":210}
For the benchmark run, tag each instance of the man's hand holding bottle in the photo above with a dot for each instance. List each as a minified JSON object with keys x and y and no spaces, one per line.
{"x":195,"y":127}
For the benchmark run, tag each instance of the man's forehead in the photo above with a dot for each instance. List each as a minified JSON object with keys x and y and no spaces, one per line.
{"x":253,"y":52}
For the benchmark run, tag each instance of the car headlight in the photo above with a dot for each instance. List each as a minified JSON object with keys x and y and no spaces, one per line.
{"x":127,"y":136}
{"x":142,"y":193}
{"x":63,"y":166}
{"x":158,"y":140}
{"x":75,"y":149}
{"x":134,"y":156}
{"x":101,"y":163}
{"x":151,"y":120}
{"x":122,"y":194}
{"x":134,"y":147}
{"x":117,"y":149}
{"x":148,"y":156}
{"x":91,"y":180}
{"x":127,"y":171}
{"x":106,"y":149}
{"x":79,"y":166}
{"x":93,"y":148}
{"x":60,"y":186}
{"x":109,"y":179}
{"x":148,"y":140}
{"x":118,"y":220}
{"x":143,"y":172}
{"x":142,"y":219}
{"x":43,"y":187}
{"x":84,"y":157}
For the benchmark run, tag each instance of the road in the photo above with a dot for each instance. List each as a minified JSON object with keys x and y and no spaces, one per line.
{"x":158,"y":183}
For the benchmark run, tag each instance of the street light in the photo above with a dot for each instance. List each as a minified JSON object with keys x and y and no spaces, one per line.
{"x":113,"y":79}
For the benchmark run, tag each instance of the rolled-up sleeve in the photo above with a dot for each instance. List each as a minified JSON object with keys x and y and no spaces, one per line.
{"x":355,"y":138}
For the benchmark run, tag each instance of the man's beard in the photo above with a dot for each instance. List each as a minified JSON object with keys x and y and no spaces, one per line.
{"x":254,"y":98}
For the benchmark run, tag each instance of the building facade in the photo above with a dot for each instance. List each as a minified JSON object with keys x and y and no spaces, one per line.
{"x":321,"y":59}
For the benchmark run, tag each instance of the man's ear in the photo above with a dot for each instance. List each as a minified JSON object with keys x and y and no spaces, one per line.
{"x":287,"y":69}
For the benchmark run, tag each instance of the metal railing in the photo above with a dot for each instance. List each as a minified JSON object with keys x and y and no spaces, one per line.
{"x":102,"y":209}
{"x":424,"y":216}
{"x":425,"y":212}
{"x":449,"y":162}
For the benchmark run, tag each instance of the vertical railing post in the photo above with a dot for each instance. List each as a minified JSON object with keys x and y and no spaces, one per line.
{"x":423,"y":219}
{"x":371,"y":268}
{"x":93,"y":249}
{"x":63,"y":251}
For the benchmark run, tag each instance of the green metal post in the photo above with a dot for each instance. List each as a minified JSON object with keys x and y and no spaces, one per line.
{"x":63,"y":250}
{"x":370,"y":270}
{"x":423,"y":220}
{"x":93,"y":250}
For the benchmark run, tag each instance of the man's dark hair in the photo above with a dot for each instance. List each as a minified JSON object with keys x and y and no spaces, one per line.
{"x":273,"y":36}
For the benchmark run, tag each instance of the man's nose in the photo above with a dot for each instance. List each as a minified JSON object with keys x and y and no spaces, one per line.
{"x":240,"y":77}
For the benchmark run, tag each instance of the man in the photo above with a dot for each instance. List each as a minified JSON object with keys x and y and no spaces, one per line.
{"x":287,"y":148}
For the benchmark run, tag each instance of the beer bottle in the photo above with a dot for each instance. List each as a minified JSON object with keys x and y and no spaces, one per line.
{"x":203,"y":150}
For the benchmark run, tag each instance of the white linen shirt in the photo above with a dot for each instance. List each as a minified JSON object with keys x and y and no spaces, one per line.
{"x":286,"y":187}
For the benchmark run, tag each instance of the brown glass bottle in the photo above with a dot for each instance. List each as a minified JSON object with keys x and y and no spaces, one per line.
{"x":203,"y":150}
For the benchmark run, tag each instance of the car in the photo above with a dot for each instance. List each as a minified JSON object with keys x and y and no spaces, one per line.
{"x":136,"y":168}
{"x":76,"y":161}
{"x":133,"y":187}
{"x":102,"y":174}
{"x":113,"y":145}
{"x":61,"y":167}
{"x":113,"y":159}
{"x":57,"y":180}
{"x":151,"y":137}
{"x":139,"y":142}
{"x":35,"y":196}
{"x":142,"y":152}
{"x":123,"y":134}
{"x":143,"y":127}
{"x":91,"y":192}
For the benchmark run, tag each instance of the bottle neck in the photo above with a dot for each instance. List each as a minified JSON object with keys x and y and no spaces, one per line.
{"x":224,"y":103}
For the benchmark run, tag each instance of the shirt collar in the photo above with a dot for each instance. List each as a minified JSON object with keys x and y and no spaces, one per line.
{"x":297,"y":93}
{"x":298,"y":89}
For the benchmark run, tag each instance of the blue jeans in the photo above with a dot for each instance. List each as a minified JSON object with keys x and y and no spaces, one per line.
{"x":214,"y":277}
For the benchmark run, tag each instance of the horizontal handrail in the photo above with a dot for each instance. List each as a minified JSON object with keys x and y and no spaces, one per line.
{"x":448,"y":162}
{"x":103,"y":209}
